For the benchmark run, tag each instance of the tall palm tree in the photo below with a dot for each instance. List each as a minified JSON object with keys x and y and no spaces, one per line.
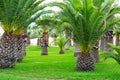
{"x":89,"y":20}
{"x":15,"y":16}
{"x":47,"y":22}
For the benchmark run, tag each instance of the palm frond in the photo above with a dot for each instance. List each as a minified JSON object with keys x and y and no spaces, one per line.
{"x":16,"y":15}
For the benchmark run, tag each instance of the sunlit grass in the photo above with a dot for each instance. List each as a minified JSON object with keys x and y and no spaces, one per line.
{"x":57,"y":67}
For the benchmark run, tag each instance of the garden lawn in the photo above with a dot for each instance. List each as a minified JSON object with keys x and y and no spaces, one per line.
{"x":57,"y":66}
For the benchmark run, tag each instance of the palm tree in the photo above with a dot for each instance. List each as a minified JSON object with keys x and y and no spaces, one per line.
{"x":61,"y":41}
{"x":47,"y":22}
{"x":89,"y":20}
{"x":15,"y":16}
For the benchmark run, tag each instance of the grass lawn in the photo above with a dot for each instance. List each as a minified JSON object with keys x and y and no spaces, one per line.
{"x":57,"y":67}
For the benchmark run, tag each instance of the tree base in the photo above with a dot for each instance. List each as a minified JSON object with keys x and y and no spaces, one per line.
{"x":61,"y":52}
{"x":44,"y":53}
{"x":85,"y":62}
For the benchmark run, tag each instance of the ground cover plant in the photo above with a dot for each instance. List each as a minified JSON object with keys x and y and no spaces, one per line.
{"x":57,"y":66}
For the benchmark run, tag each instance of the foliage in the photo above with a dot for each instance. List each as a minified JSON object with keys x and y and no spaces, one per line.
{"x":89,"y":19}
{"x":114,"y":55}
{"x":61,"y":41}
{"x":17,"y":15}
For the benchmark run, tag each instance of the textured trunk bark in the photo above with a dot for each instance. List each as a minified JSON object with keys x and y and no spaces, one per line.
{"x":76,"y":50}
{"x":107,"y":38}
{"x":8,"y":51}
{"x":44,"y":50}
{"x":20,"y":46}
{"x":24,"y":49}
{"x":85,"y":62}
{"x":44,"y":43}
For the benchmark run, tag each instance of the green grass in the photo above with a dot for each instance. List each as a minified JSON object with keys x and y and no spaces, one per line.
{"x":58,"y":67}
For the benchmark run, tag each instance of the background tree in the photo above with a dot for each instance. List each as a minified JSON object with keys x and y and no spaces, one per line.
{"x":46,"y":23}
{"x":107,"y":38}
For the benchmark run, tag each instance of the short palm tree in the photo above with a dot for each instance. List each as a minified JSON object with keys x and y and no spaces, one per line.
{"x":61,"y":41}
{"x":15,"y":17}
{"x":90,"y":19}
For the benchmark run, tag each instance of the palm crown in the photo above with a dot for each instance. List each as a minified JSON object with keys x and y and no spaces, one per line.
{"x":16,"y":15}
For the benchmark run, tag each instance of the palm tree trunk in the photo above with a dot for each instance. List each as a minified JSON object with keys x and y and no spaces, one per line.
{"x":85,"y":62}
{"x":8,"y":51}
{"x":24,"y":48}
{"x":44,"y":43}
{"x":107,"y":38}
{"x":20,"y":46}
{"x":44,"y":50}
